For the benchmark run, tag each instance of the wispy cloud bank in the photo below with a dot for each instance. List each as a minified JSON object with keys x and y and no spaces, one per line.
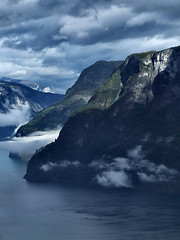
{"x":64,"y":164}
{"x":120,"y":172}
{"x":16,"y":116}
{"x":27,"y":146}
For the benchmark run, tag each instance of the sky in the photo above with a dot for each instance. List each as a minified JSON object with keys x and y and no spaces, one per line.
{"x":54,"y":40}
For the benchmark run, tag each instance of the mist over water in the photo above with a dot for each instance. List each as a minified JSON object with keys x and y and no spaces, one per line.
{"x":28,"y":145}
{"x":53,"y":212}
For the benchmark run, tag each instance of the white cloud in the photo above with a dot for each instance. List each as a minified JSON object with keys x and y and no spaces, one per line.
{"x":116,"y":50}
{"x":25,"y":147}
{"x":28,"y":65}
{"x":136,"y":153}
{"x":78,"y":27}
{"x":115,"y":15}
{"x":16,"y":116}
{"x":18,"y":73}
{"x":118,"y":172}
{"x":96,"y":20}
{"x":114,"y":179}
{"x":47,"y":167}
{"x":143,"y":18}
{"x":64,"y":164}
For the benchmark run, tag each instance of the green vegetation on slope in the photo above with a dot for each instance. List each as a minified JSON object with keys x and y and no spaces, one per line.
{"x":142,"y":55}
{"x":77,"y":96}
{"x":106,"y":95}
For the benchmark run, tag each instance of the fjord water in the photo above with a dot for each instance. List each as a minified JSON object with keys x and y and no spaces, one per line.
{"x":47,"y":212}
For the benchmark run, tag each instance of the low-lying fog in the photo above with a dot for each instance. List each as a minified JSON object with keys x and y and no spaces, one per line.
{"x":27,"y":146}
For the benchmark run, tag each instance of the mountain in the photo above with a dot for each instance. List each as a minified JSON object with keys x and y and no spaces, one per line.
{"x":133,"y":142}
{"x":19,"y":103}
{"x":77,"y":96}
{"x":36,"y":86}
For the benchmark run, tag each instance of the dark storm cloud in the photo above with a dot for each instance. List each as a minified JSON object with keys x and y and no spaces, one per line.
{"x":44,"y":19}
{"x":40,"y":19}
{"x":26,"y":36}
{"x":48,"y":23}
{"x":57,"y":39}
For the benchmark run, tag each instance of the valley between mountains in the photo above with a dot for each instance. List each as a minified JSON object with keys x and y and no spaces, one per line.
{"x":121,"y":126}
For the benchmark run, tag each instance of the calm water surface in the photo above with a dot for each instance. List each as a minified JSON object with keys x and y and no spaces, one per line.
{"x":35,"y":212}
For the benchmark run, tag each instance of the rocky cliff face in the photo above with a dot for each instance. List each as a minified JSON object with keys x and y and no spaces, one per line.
{"x":18,"y":102}
{"x":133,"y":142}
{"x":77,"y":96}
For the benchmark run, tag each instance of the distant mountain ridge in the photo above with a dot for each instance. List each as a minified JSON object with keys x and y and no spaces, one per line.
{"x":133,"y":142}
{"x":33,"y":85}
{"x":77,"y":96}
{"x":15,"y":99}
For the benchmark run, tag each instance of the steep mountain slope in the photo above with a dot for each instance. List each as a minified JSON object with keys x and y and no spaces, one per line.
{"x":78,"y":95}
{"x":106,"y":95}
{"x":134,"y":142}
{"x":19,"y":103}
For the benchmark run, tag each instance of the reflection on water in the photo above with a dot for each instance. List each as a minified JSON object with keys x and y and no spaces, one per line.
{"x":37,"y":211}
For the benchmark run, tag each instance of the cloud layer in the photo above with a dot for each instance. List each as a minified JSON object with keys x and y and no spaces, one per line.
{"x":54,"y":40}
{"x":25,"y":147}
{"x":120,"y":173}
{"x":16,"y":116}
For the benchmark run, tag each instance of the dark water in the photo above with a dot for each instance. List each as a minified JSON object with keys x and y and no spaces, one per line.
{"x":35,"y":212}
